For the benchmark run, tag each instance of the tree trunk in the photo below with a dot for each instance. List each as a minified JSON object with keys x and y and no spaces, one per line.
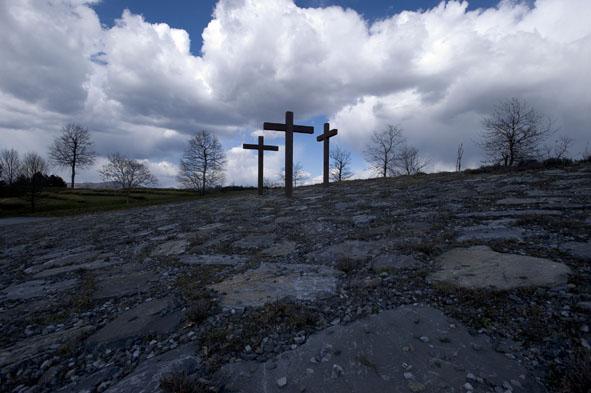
{"x":73,"y":175}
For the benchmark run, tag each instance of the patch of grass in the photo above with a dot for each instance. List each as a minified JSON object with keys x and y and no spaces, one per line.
{"x":82,"y":299}
{"x":574,"y":375}
{"x":65,"y":201}
{"x":182,"y":383}
{"x":274,"y":318}
{"x":346,"y":265}
{"x":200,"y":302}
{"x":364,"y":360}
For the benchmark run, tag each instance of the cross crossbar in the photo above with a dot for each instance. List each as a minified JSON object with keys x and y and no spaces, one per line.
{"x":330,"y":134}
{"x":249,"y":146}
{"x":289,"y":128}
{"x":283,"y":127}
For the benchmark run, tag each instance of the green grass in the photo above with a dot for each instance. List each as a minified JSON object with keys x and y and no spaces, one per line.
{"x":62,"y":202}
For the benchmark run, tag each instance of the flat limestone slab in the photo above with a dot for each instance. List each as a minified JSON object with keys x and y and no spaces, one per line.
{"x":480,"y":267}
{"x":213,"y":259}
{"x":40,"y":345}
{"x":146,"y":377}
{"x":409,"y":349}
{"x":172,"y":247}
{"x":157,"y":316}
{"x":35,"y":288}
{"x":124,"y":284}
{"x":72,"y":268}
{"x":273,"y":281}
{"x":579,"y":250}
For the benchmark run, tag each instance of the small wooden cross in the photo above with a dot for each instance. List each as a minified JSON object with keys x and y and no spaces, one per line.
{"x":289,"y":128}
{"x":261,"y":147}
{"x":328,"y":133}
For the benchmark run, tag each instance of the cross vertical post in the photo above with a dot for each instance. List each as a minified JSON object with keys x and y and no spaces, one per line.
{"x":260,"y":147}
{"x":289,"y":128}
{"x":325,"y":137}
{"x":289,"y":153}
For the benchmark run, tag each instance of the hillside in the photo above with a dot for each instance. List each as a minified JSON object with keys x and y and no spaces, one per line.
{"x":444,"y":282}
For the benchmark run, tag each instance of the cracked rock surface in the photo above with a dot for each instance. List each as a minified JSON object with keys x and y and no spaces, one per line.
{"x":443,"y":282}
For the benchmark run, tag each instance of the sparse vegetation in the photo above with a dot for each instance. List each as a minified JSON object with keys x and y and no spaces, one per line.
{"x":574,"y":376}
{"x":182,"y":383}
{"x":273,"y":318}
{"x":61,"y":201}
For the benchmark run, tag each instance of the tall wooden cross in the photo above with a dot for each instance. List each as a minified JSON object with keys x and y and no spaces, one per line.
{"x":328,"y":133}
{"x":289,"y":128}
{"x":261,"y":147}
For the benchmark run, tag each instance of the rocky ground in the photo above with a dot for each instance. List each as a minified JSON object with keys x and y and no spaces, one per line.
{"x":447,"y":282}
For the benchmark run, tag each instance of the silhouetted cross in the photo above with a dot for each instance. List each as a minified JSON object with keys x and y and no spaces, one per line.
{"x":289,"y":128}
{"x":261,"y":147}
{"x":328,"y":133}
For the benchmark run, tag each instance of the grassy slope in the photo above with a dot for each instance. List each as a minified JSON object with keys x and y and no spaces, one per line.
{"x":59,"y":202}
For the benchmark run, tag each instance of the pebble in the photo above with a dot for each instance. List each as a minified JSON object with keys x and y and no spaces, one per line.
{"x":468,"y":386}
{"x":282,"y":382}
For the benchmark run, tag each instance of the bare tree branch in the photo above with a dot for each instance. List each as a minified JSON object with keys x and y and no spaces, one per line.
{"x":409,"y":161}
{"x":459,"y":157}
{"x":33,"y":168}
{"x":381,"y":151}
{"x":513,"y":132}
{"x":341,"y":163}
{"x":11,"y":165}
{"x":127,"y":173}
{"x":299,"y":175}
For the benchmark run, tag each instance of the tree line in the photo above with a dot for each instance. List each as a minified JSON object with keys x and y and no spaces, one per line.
{"x":514,"y":132}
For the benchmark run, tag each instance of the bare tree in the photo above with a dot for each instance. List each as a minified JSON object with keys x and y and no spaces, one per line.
{"x":299,"y":175}
{"x":514,"y":132}
{"x":202,"y":165}
{"x":11,"y":165}
{"x":33,"y":168}
{"x":381,"y":151}
{"x":409,"y":161}
{"x":341,"y":163}
{"x":459,"y":157}
{"x":72,"y":149}
{"x":560,"y":149}
{"x":127,"y":173}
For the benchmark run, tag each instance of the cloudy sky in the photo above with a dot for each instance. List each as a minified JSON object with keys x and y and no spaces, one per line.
{"x":145,"y":75}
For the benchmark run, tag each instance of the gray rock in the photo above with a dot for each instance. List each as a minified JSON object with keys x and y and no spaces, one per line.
{"x":124,"y":284}
{"x":213,"y":259}
{"x":579,"y":250}
{"x":367,"y":356}
{"x":172,"y":247}
{"x":480,"y":267}
{"x":36,"y":288}
{"x":147,"y":375}
{"x":355,"y":250}
{"x":157,"y":316}
{"x":280,"y":249}
{"x":40,"y":345}
{"x":394,"y":262}
{"x":275,"y":281}
{"x":101,"y":264}
{"x":494,"y":230}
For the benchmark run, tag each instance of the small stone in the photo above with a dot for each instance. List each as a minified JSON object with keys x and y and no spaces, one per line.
{"x":248,"y":349}
{"x":408,"y":375}
{"x":468,"y":386}
{"x":471,"y":377}
{"x":424,"y":339}
{"x":282,"y":382}
{"x":337,"y":371}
